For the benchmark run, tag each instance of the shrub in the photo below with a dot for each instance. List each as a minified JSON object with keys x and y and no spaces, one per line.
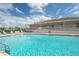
{"x":1,"y":32}
{"x":8,"y":31}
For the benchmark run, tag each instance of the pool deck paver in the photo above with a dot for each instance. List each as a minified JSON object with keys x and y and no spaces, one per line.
{"x":3,"y":54}
{"x":53,"y":32}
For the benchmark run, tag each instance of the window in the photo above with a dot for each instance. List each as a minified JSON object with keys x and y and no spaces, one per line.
{"x":77,"y":25}
{"x":52,"y":26}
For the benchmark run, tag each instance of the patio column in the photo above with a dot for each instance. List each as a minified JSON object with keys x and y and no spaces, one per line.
{"x":62,"y":20}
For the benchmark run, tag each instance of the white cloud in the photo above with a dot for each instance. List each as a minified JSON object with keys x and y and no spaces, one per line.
{"x":4,"y":13}
{"x":6,"y":6}
{"x":76,"y":13}
{"x":72,"y":10}
{"x":19,"y":11}
{"x":75,"y":10}
{"x":58,"y":12}
{"x":67,"y":9}
{"x":7,"y":20}
{"x":12,"y":21}
{"x":37,"y":18}
{"x":75,"y":7}
{"x":60,"y":16}
{"x":37,"y":7}
{"x":29,"y":20}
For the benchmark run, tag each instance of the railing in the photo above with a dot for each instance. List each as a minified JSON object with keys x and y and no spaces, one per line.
{"x":63,"y":29}
{"x":4,"y":48}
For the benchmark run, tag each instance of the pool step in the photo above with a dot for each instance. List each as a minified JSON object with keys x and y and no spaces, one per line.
{"x":3,"y":53}
{"x":4,"y":49}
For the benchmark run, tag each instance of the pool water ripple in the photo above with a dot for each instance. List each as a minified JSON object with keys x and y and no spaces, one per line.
{"x":42,"y":45}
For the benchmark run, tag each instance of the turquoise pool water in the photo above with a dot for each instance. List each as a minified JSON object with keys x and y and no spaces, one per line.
{"x":42,"y":45}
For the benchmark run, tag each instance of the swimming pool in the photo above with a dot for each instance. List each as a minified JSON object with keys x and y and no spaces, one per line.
{"x":42,"y":45}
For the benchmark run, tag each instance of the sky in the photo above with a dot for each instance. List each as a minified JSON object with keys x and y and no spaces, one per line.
{"x":22,"y":14}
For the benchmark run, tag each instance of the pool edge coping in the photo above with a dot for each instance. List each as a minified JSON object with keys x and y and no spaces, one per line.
{"x":63,"y":34}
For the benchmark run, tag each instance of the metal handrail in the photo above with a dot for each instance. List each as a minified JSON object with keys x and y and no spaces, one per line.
{"x":4,"y":48}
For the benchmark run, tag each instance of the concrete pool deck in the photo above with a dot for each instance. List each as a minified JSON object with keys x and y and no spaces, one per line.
{"x":43,"y":33}
{"x":11,"y":34}
{"x":3,"y":54}
{"x":55,"y":32}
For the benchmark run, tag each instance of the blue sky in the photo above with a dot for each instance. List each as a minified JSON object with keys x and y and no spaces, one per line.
{"x":21,"y":14}
{"x":49,"y":10}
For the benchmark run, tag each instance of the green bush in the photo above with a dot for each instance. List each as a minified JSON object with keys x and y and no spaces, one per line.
{"x":13,"y":31}
{"x":8,"y":30}
{"x":1,"y":32}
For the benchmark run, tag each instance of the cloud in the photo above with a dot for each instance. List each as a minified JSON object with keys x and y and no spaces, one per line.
{"x":38,"y":18}
{"x":72,"y":10}
{"x":6,"y":6}
{"x":37,"y":7}
{"x":67,"y":9}
{"x":76,"y":13}
{"x":7,"y":20}
{"x":13,"y":21}
{"x":58,"y":12}
{"x":60,"y":16}
{"x":75,"y":10}
{"x":19,"y":11}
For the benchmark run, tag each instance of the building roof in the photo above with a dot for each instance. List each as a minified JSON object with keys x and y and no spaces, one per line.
{"x":58,"y":20}
{"x":70,"y":17}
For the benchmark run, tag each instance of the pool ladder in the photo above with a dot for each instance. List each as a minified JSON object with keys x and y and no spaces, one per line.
{"x":4,"y":48}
